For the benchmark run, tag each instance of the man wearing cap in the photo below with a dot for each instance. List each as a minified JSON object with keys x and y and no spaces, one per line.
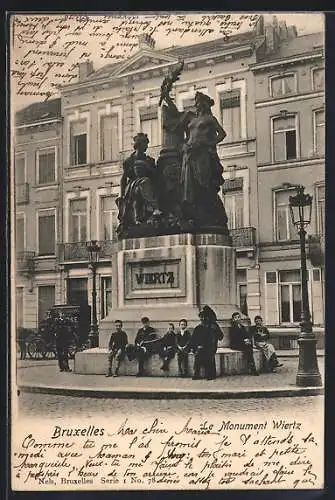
{"x":241,"y":340}
{"x":146,"y":344}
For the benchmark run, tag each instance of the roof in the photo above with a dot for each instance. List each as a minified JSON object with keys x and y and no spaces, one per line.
{"x":184,"y":52}
{"x":39,"y":111}
{"x":300,"y":45}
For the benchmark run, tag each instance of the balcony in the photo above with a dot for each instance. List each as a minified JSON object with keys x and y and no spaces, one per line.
{"x":25,"y":263}
{"x":316,"y":249}
{"x":22,"y":193}
{"x":77,"y":252}
{"x":244,"y":238}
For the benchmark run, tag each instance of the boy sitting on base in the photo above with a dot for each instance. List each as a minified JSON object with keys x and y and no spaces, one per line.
{"x":117,"y":348}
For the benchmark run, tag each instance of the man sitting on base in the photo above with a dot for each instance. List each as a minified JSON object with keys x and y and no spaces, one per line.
{"x":241,"y":340}
{"x":117,"y":348}
{"x":168,"y":347}
{"x":261,"y":334}
{"x":146,"y":344}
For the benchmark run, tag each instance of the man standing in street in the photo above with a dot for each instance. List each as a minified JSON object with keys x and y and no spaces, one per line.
{"x":183,"y":340}
{"x":146,"y":344}
{"x":62,"y":342}
{"x":241,"y":340}
{"x":117,"y":348}
{"x":204,"y":342}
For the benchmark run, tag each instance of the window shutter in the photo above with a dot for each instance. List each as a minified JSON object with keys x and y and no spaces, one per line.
{"x":271,"y":298}
{"x":46,"y":234}
{"x":317,"y":298}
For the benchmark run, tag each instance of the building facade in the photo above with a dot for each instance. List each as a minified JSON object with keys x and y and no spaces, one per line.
{"x":104,"y":109}
{"x":37,"y":178}
{"x":290,"y":124}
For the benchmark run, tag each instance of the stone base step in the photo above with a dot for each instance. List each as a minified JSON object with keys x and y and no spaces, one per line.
{"x":228,"y":362}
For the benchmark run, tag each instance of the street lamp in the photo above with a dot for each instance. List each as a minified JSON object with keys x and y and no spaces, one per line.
{"x":94,"y":249}
{"x":308,"y":373}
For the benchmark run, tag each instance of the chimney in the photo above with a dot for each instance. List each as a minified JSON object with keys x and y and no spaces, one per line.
{"x":269,"y":39}
{"x":259,"y":28}
{"x":283,"y":33}
{"x":85,"y":69}
{"x":145,"y":41}
{"x":292,"y":32}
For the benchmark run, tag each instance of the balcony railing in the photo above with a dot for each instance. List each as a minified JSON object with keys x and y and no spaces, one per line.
{"x":244,"y":237}
{"x":22,"y":193}
{"x":25,"y":263}
{"x":77,"y":252}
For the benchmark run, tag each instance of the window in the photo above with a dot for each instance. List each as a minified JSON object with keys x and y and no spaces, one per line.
{"x":19,"y":306}
{"x":230,"y":105}
{"x":284,"y":138}
{"x":46,"y":300}
{"x":78,"y":220}
{"x":78,"y":142}
{"x":243,"y":288}
{"x":189,"y":104}
{"x":285,"y":230}
{"x":106,"y":296}
{"x":77,"y":291}
{"x":319,"y":132}
{"x":234,"y":203}
{"x":290,"y":296}
{"x":46,"y":166}
{"x":109,"y":137}
{"x":320,"y":199}
{"x":108,"y":218}
{"x":149,"y":124}
{"x":20,"y":169}
{"x":46,"y":232}
{"x":19,"y":233}
{"x":318,"y":76}
{"x":283,"y":85}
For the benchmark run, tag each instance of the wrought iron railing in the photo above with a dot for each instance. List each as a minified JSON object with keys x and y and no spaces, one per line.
{"x":243,"y":237}
{"x":72,"y":252}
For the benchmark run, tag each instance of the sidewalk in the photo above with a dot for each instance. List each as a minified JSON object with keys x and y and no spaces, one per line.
{"x":44,"y":377}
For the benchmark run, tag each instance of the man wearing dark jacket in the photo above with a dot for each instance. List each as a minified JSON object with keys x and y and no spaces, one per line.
{"x":204,"y":342}
{"x":117,"y":348}
{"x":168,"y":347}
{"x":62,"y":342}
{"x":241,"y":340}
{"x":183,"y":341}
{"x":146,"y":344}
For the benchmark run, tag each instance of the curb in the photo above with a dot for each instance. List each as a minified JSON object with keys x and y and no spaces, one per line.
{"x":169,"y":394}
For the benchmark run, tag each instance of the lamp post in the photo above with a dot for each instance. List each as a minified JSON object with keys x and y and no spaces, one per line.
{"x":308,"y":373}
{"x":93,"y":249}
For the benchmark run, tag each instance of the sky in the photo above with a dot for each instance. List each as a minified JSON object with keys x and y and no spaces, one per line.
{"x":33,"y":42}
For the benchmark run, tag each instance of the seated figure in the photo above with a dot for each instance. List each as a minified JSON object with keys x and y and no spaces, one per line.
{"x":147,"y":343}
{"x":261,"y":335}
{"x":241,"y":340}
{"x":117,"y":348}
{"x":168,"y":347}
{"x":138,"y":202}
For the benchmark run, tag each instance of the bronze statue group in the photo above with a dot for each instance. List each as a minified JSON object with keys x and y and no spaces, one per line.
{"x":202,"y":343}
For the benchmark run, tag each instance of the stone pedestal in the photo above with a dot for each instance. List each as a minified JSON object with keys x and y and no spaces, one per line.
{"x":171,"y":277}
{"x":228,"y":362}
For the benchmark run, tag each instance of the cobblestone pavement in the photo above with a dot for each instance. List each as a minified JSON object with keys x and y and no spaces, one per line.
{"x":60,"y":407}
{"x":46,"y":372}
